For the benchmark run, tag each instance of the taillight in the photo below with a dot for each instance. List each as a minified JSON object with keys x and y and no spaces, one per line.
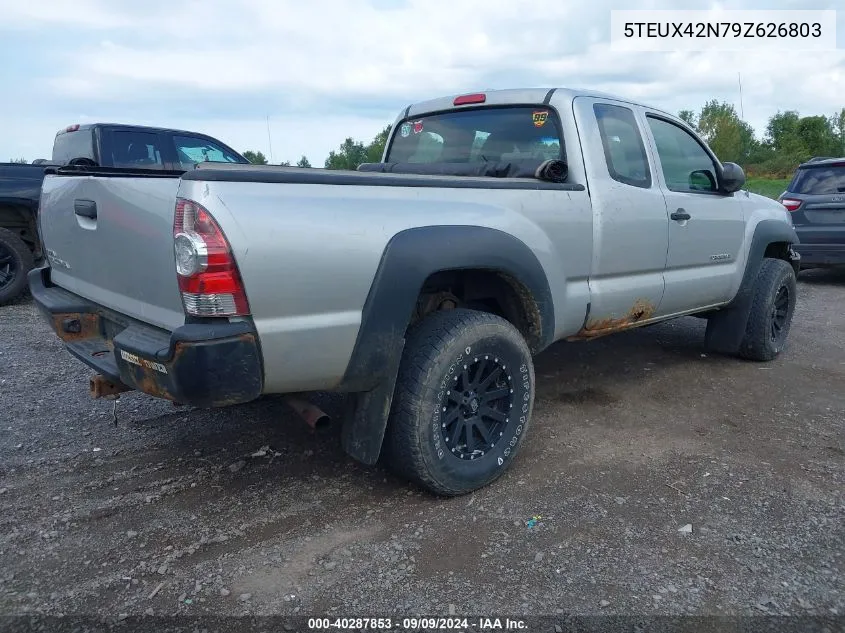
{"x":72,"y":128}
{"x":790,"y":204}
{"x":208,"y":275}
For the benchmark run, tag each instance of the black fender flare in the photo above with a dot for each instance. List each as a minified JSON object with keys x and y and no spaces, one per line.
{"x":726,"y":326}
{"x":410,"y":257}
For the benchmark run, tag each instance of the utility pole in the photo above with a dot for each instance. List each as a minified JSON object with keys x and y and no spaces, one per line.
{"x":741,"y":109}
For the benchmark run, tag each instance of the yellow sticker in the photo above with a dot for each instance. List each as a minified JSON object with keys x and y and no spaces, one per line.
{"x":540,"y":117}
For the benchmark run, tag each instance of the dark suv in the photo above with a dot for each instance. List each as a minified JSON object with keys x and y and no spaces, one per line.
{"x":816,"y":200}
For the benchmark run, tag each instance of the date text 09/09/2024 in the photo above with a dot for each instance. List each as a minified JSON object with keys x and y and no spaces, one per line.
{"x":417,"y":624}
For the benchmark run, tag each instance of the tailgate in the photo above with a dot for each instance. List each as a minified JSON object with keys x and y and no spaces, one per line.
{"x":821,"y":219}
{"x":825,"y":210}
{"x":109,"y":239}
{"x":820,"y":188}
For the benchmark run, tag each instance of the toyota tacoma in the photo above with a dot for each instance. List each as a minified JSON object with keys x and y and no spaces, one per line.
{"x":496,"y":224}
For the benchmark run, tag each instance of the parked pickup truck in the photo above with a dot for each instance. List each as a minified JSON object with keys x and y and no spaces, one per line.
{"x":103,"y":144}
{"x":497,"y":224}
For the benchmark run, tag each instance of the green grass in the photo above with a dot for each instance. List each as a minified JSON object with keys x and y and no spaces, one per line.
{"x":771,"y":188}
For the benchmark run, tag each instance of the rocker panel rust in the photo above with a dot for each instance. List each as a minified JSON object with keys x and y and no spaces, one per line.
{"x":641,"y":311}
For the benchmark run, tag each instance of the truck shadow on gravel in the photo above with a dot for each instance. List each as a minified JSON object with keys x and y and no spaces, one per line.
{"x":823,"y":277}
{"x":595,"y":373}
{"x":585,"y":377}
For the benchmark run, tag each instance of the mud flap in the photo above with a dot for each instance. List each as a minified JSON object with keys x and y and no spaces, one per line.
{"x":366,"y":413}
{"x":726,"y":327}
{"x":365,"y":422}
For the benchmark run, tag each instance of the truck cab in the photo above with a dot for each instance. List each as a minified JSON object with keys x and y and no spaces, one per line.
{"x":133,"y":146}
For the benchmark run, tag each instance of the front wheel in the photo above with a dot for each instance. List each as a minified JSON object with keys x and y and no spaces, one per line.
{"x":463,"y":401}
{"x":773,"y":303}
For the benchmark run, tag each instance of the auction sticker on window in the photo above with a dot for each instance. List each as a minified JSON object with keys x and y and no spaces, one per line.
{"x":540,"y":117}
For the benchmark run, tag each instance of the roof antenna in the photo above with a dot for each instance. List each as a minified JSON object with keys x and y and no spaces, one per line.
{"x":269,"y":140}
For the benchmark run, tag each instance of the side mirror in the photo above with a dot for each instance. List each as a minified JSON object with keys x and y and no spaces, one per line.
{"x":702,"y":180}
{"x":731,"y":178}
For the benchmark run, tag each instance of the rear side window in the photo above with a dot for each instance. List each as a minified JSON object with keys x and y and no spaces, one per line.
{"x":136,"y":149}
{"x":481,"y":135}
{"x":623,"y":145}
{"x":191,"y":150}
{"x":70,"y":145}
{"x":819,"y":180}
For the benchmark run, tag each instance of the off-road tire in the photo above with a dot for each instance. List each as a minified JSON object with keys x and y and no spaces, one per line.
{"x":18,"y":262}
{"x":448,"y":355}
{"x":772,"y":307}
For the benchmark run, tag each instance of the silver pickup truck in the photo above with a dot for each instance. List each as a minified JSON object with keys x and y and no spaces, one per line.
{"x":497,"y":224}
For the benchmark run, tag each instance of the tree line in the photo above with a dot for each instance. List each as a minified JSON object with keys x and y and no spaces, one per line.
{"x":789,"y":139}
{"x":258,"y":158}
{"x":349,"y":155}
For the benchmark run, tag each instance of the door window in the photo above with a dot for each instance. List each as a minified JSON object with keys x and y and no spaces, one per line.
{"x":136,"y":149}
{"x":686,"y":164}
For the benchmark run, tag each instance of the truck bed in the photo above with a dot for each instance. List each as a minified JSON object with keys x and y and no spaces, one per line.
{"x":307,"y":264}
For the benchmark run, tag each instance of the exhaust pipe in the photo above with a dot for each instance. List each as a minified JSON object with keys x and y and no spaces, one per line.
{"x":313,"y":415}
{"x":102,"y":387}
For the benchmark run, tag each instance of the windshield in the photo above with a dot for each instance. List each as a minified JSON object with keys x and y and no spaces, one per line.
{"x":191,"y":150}
{"x":480,"y":135}
{"x":819,"y":180}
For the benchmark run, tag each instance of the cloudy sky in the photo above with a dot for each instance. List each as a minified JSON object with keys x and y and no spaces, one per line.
{"x":323,"y":70}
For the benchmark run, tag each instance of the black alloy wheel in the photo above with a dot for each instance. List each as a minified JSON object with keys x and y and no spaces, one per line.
{"x":477,"y":408}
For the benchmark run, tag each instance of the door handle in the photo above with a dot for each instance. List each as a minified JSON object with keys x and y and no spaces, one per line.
{"x":680,"y":214}
{"x":85,"y":208}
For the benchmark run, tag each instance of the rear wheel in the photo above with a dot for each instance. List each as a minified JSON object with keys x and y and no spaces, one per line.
{"x":773,"y":304}
{"x":463,"y":401}
{"x":15,"y":263}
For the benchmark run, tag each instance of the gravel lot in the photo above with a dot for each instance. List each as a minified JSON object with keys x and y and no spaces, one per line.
{"x":634,"y":437}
